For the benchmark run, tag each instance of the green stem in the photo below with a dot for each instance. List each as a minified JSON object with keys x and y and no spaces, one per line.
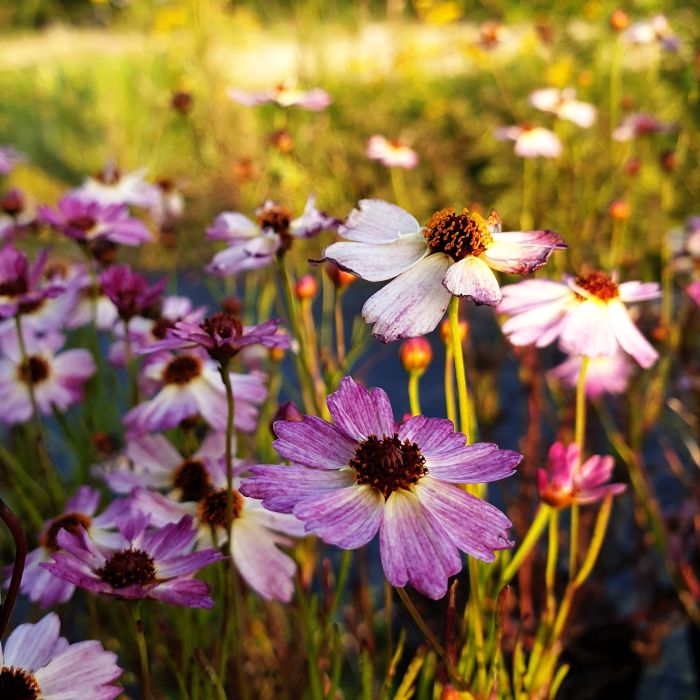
{"x":143,"y":651}
{"x":464,"y":400}
{"x":580,"y":436}
{"x":413,"y":396}
{"x":398,"y":187}
{"x":311,"y":651}
{"x":529,"y":541}
{"x":450,"y":387}
{"x":552,"y":555}
{"x":477,"y":623}
{"x":130,"y":365}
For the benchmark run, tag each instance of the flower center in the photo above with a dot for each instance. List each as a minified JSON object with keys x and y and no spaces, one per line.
{"x":14,"y":287}
{"x":212,"y":508}
{"x":72,"y":522}
{"x":599,"y":285}
{"x":388,"y":464}
{"x":128,"y":568}
{"x":458,"y":235}
{"x":84,"y":223}
{"x":223,"y":325}
{"x":277,"y":217}
{"x":161,"y":326}
{"x":18,"y":684}
{"x":33,"y":370}
{"x":192,"y":479}
{"x":182,"y":370}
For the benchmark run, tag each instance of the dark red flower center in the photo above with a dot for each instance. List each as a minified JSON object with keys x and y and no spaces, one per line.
{"x":72,"y":522}
{"x":223,"y":325}
{"x":458,"y":235}
{"x":212,"y":508}
{"x":182,"y":370}
{"x":12,"y":202}
{"x":599,"y":285}
{"x":14,"y":287}
{"x":18,"y":684}
{"x":193,"y":480}
{"x":33,"y":370}
{"x":83,"y":223}
{"x":127,"y":568}
{"x":387,"y":464}
{"x":161,"y":326}
{"x":276,"y":217}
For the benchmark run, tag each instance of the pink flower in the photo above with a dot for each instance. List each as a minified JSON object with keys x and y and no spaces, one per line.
{"x":587,"y":313}
{"x":567,"y":481}
{"x":657,"y":29}
{"x":363,"y":474}
{"x":606,"y":374}
{"x":9,"y":158}
{"x":393,"y":153}
{"x":693,"y":291}
{"x":111,"y":186}
{"x":58,"y":379}
{"x":453,"y":255}
{"x":635,"y":125}
{"x":563,"y":104}
{"x":130,"y":291}
{"x":531,"y":141}
{"x":283,"y":95}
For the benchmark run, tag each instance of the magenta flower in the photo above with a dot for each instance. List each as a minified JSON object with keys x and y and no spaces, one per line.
{"x":531,"y":141}
{"x":254,"y":244}
{"x":38,"y":584}
{"x":158,"y":564}
{"x":693,"y":291}
{"x":130,"y":291}
{"x":453,"y":255}
{"x":38,"y":664}
{"x":283,"y":95}
{"x":363,"y":474}
{"x":58,"y":378}
{"x":587,"y":313}
{"x":87,"y":221}
{"x":635,"y":125}
{"x":9,"y":158}
{"x":568,"y":481}
{"x":21,"y":285}
{"x":189,"y":384}
{"x":393,"y":153}
{"x":111,"y":186}
{"x":606,"y":374}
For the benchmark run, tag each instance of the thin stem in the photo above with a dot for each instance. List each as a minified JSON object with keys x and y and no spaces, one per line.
{"x":529,"y":541}
{"x":528,"y":174}
{"x":130,"y":365}
{"x":552,"y":555}
{"x":311,"y":651}
{"x":143,"y":651}
{"x":413,"y":396}
{"x":339,"y":328}
{"x":450,"y":387}
{"x":464,"y":400}
{"x":580,"y":436}
{"x":477,"y":623}
{"x":15,"y":528}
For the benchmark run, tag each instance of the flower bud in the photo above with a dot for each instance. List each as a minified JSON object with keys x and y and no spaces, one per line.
{"x":446,"y":335}
{"x":306,"y":288}
{"x":276,"y":354}
{"x":231,"y":306}
{"x":668,"y":161}
{"x":633,"y":166}
{"x":619,"y":20}
{"x":282,"y":140}
{"x":181,"y":102}
{"x":286,"y":411}
{"x":12,"y":202}
{"x":340,"y":278}
{"x":416,"y":354}
{"x":619,"y":210}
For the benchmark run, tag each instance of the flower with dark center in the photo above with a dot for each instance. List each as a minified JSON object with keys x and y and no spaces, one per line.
{"x":283,"y":95}
{"x":453,"y":255}
{"x":141,"y":563}
{"x":276,"y":217}
{"x":33,"y":370}
{"x":192,"y":480}
{"x":182,"y":369}
{"x":38,"y":664}
{"x":71,"y":522}
{"x":12,"y":202}
{"x":130,"y":291}
{"x":361,"y":474}
{"x":212,"y":508}
{"x":111,"y":186}
{"x":586,"y":313}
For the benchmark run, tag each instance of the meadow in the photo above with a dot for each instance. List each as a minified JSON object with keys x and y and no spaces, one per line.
{"x":289,"y":411}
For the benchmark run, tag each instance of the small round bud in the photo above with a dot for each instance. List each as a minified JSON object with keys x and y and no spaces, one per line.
{"x":633,"y":166}
{"x":276,"y":354}
{"x":12,"y":202}
{"x":340,"y":278}
{"x":282,"y":140}
{"x":181,"y":102}
{"x":668,"y":161}
{"x":245,"y":170}
{"x":231,"y":306}
{"x":306,"y":288}
{"x":619,"y":20}
{"x":416,"y":354}
{"x":446,"y":335}
{"x":619,"y":210}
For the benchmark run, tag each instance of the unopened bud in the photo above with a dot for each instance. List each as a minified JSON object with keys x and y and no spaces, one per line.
{"x":619,"y":20}
{"x":668,"y":161}
{"x":446,"y":334}
{"x":340,"y":278}
{"x":181,"y":102}
{"x":282,"y":140}
{"x":633,"y":166}
{"x":286,"y":411}
{"x":231,"y":306}
{"x":619,"y":210}
{"x":12,"y":202}
{"x":416,"y":354}
{"x":306,"y":288}
{"x":276,"y":354}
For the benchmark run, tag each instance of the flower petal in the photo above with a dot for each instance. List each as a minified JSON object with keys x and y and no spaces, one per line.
{"x":588,"y":329}
{"x":375,"y":221}
{"x":313,"y":442}
{"x":629,"y":337}
{"x":522,"y":252}
{"x":473,"y":464}
{"x":472,"y":277}
{"x":30,"y":646}
{"x":639,"y":291}
{"x":360,"y":413}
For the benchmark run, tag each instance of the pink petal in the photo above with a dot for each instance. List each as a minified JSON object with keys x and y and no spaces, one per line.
{"x":629,"y":337}
{"x":360,"y":413}
{"x":314,"y":442}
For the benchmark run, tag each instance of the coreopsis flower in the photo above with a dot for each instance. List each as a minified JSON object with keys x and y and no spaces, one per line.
{"x":201,"y":491}
{"x":189,"y":384}
{"x":393,"y":153}
{"x":656,"y":29}
{"x":9,"y":158}
{"x":22,"y":287}
{"x":606,"y":374}
{"x":283,"y":95}
{"x":254,"y":244}
{"x":38,"y":584}
{"x":58,"y":378}
{"x":111,"y":186}
{"x":16,"y":215}
{"x":454,"y":254}
{"x":170,"y":205}
{"x":156,"y":564}
{"x":635,"y":125}
{"x":363,"y":474}
{"x":563,"y":104}
{"x":130,"y":291}
{"x":87,"y":221}
{"x":531,"y":141}
{"x":567,"y":480}
{"x":36,"y":663}
{"x":587,"y":313}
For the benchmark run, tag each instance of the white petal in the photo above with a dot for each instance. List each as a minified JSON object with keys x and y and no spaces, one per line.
{"x":629,"y":337}
{"x":472,"y":277}
{"x":639,"y":291}
{"x":588,"y":330}
{"x":375,"y":221}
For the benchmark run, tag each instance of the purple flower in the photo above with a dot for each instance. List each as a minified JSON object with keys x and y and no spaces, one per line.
{"x":157,"y":564}
{"x":654,"y":30}
{"x":453,"y":255}
{"x":87,"y":221}
{"x":363,"y":474}
{"x":9,"y":158}
{"x":111,"y":186}
{"x":79,"y":513}
{"x":21,"y":287}
{"x":283,"y":95}
{"x":58,"y":378}
{"x":587,"y":313}
{"x":130,"y":291}
{"x":189,"y":384}
{"x":254,"y":244}
{"x":567,"y":481}
{"x":38,"y":664}
{"x":635,"y":125}
{"x":392,"y":153}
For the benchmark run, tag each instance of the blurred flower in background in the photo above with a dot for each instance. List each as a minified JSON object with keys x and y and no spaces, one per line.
{"x":393,"y":153}
{"x":635,"y":125}
{"x":531,"y":141}
{"x":283,"y":95}
{"x":563,"y":104}
{"x":9,"y":158}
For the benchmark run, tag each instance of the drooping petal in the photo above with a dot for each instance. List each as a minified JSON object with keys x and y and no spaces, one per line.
{"x":639,"y":291}
{"x":522,"y":252}
{"x":375,"y":221}
{"x":360,"y":413}
{"x":472,"y":277}
{"x":412,"y":304}
{"x":415,"y":548}
{"x":629,"y":337}
{"x":378,"y":262}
